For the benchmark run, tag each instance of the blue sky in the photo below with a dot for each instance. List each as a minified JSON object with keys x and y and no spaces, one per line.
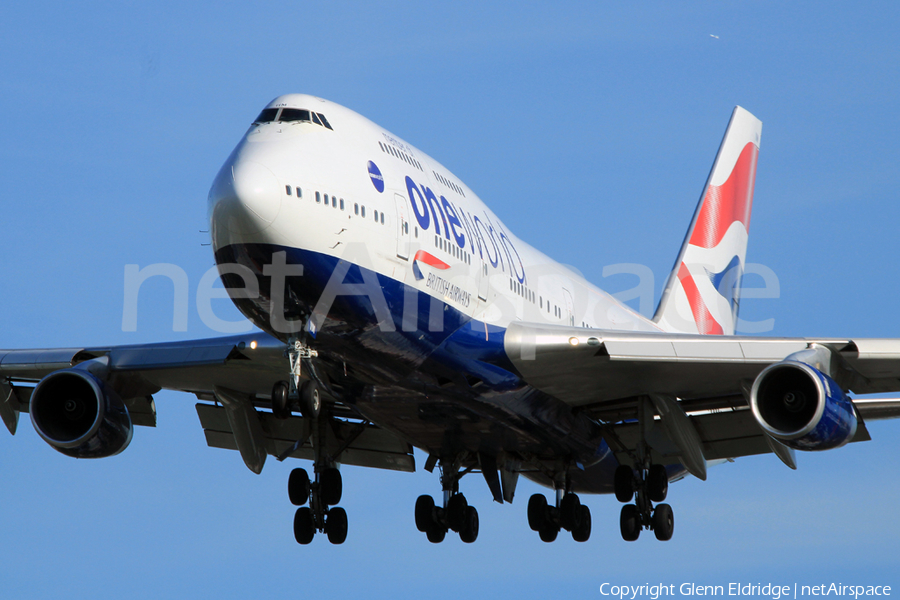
{"x":588,"y":127}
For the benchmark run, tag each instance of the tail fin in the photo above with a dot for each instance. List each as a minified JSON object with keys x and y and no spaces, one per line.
{"x":703,"y":291}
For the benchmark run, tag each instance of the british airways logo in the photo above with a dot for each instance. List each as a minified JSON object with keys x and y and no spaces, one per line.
{"x":376,"y":177}
{"x":476,"y":234}
{"x":428,"y":259}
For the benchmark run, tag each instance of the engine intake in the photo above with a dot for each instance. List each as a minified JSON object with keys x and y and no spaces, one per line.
{"x":79,"y":415}
{"x":802,"y":407}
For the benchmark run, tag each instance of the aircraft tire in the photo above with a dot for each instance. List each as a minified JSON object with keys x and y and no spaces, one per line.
{"x":657,"y":483}
{"x":310,"y":402}
{"x":663,"y":522}
{"x":537,"y":511}
{"x":582,"y":532}
{"x":630,"y":522}
{"x":548,"y":532}
{"x":569,"y":512}
{"x":280,"y":400}
{"x":336,"y":525}
{"x":436,"y":533}
{"x":304,"y":529}
{"x":298,"y":487}
{"x":469,"y":531}
{"x":330,"y":486}
{"x":624,"y":483}
{"x":424,"y":511}
{"x":457,"y":512}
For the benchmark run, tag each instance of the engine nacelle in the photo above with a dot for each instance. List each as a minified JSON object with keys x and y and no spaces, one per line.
{"x":79,"y":415}
{"x":802,"y":407}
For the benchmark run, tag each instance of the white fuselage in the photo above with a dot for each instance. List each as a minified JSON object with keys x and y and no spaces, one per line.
{"x":302,"y":185}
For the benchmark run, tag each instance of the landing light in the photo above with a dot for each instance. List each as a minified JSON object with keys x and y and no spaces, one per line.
{"x":253,"y":345}
{"x":573,"y":341}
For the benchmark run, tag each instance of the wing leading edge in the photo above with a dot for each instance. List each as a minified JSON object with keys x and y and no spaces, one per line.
{"x":240,"y":367}
{"x":609,"y":374}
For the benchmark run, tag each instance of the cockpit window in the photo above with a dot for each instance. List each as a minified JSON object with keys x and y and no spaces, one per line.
{"x":325,"y":121}
{"x":294,"y":114}
{"x":267,"y":115}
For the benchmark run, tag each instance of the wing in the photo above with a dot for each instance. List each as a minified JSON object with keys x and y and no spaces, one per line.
{"x":235,"y":373}
{"x":607,"y":374}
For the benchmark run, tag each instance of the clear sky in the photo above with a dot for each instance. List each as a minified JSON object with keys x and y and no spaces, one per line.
{"x":588,"y":127}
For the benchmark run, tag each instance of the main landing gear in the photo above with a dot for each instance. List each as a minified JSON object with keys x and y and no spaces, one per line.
{"x":455,"y":513}
{"x":324,"y":492}
{"x":645,"y":486}
{"x":568,"y":513}
{"x":321,"y":515}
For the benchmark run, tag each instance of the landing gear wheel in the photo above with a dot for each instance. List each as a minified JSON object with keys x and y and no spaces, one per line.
{"x":298,"y":487}
{"x":310,"y":403}
{"x":457,"y":512}
{"x":569,"y":511}
{"x":469,"y":531}
{"x":624,"y":483}
{"x":537,"y":511}
{"x":630,"y":522}
{"x":582,"y":532}
{"x":549,"y":531}
{"x":336,"y":525}
{"x":663,"y":522}
{"x":330,"y":486}
{"x":424,"y":511}
{"x":304,"y":528}
{"x":280,"y":400}
{"x":436,"y":533}
{"x":657,"y":483}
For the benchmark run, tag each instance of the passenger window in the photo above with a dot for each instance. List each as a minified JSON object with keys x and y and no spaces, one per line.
{"x":299,"y":193}
{"x":382,"y":218}
{"x":318,"y":198}
{"x":334,"y":201}
{"x":342,"y":204}
{"x":363,"y":211}
{"x":287,"y":190}
{"x":356,"y":208}
{"x":326,"y":199}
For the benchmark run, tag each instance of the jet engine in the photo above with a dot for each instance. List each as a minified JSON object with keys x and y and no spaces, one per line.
{"x":802,"y":407}
{"x":79,"y":415}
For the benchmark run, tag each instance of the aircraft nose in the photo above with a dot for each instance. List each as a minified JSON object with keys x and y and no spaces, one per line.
{"x":244,"y":198}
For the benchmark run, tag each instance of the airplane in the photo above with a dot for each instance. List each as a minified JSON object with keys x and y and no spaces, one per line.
{"x":397,"y":311}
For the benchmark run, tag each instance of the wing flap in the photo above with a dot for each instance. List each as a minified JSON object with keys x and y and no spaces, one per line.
{"x":724,"y":435}
{"x":362,"y":445}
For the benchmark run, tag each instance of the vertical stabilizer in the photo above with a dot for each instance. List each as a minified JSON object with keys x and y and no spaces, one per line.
{"x":702,"y":294}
